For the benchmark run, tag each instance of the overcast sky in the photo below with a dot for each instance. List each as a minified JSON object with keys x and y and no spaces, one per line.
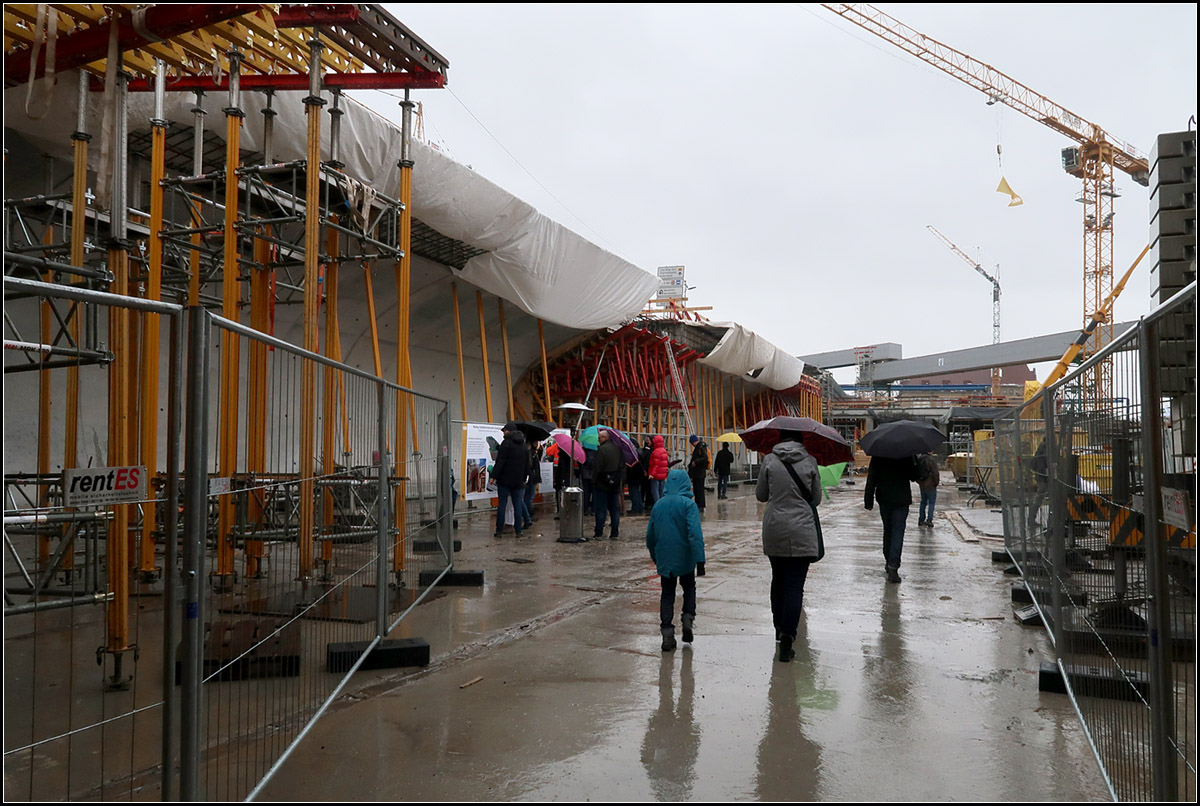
{"x":791,"y":161}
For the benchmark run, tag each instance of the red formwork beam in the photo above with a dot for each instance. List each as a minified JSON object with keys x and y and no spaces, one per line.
{"x":284,"y":82}
{"x":305,"y":15}
{"x":91,"y":44}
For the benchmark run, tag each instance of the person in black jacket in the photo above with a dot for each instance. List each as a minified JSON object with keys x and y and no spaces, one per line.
{"x":608,"y":481}
{"x":510,"y":472}
{"x":697,"y":469}
{"x":722,"y":465}
{"x":888,"y":483}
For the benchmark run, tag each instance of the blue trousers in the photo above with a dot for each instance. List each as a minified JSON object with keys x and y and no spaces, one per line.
{"x":607,"y":502}
{"x":656,"y":490}
{"x":637,"y":506}
{"x":520,"y":516}
{"x":530,"y":491}
{"x":894,"y":521}
{"x":722,"y":486}
{"x":927,"y":497}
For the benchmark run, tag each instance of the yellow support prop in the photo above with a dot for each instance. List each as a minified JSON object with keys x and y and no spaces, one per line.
{"x":545,"y":372}
{"x":507,"y":368}
{"x":487,"y":383}
{"x":462,"y":384}
{"x":150,"y":341}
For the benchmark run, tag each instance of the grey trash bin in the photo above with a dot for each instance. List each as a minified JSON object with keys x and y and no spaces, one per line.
{"x":570,"y":518}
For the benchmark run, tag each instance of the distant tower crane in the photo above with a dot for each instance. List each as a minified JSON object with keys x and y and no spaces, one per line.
{"x":1093,"y":160}
{"x":995,"y":299}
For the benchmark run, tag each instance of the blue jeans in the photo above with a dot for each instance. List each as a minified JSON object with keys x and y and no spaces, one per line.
{"x":787,"y":592}
{"x":722,"y":486}
{"x":656,"y":490}
{"x":517,"y":494}
{"x":607,"y":502}
{"x":928,"y":497}
{"x":637,"y":506}
{"x":894,"y":521}
{"x":530,"y":492}
{"x":666,"y":604}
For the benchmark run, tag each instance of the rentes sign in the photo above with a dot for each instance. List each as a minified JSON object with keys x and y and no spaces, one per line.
{"x":89,"y":486}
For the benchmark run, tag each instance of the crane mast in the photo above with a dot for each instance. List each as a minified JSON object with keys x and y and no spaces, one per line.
{"x":995,"y":297}
{"x":1094,"y":160}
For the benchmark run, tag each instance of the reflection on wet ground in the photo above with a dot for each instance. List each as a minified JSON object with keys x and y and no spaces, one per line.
{"x":548,"y":684}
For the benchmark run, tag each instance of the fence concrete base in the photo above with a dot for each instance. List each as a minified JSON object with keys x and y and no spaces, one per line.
{"x":391,"y":653}
{"x":1091,"y":681}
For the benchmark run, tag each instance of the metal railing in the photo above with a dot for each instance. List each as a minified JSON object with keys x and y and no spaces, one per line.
{"x":1098,"y":505}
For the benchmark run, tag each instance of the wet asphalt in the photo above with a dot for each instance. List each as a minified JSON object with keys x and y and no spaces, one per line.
{"x":548,"y":683}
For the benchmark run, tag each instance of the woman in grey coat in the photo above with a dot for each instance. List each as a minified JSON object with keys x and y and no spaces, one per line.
{"x":789,"y":532}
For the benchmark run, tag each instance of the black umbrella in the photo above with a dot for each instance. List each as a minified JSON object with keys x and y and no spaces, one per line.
{"x":534,"y":430}
{"x":901,"y":439}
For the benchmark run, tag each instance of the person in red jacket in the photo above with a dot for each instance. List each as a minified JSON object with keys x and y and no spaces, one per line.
{"x":659,"y":468}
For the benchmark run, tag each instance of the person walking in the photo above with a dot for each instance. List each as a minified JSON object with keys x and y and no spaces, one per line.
{"x":697,"y":468}
{"x":790,"y":485}
{"x":675,"y":539}
{"x":660,"y":466}
{"x":608,"y":480}
{"x":722,"y":466}
{"x":888,"y":483}
{"x":928,"y":478}
{"x":510,"y":472}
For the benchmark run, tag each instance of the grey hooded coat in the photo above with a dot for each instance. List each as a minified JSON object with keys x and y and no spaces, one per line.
{"x":788,"y":528}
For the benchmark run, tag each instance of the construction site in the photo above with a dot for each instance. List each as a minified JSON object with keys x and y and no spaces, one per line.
{"x":256,"y":338}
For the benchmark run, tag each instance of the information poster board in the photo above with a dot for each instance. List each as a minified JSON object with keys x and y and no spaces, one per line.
{"x":481,"y":442}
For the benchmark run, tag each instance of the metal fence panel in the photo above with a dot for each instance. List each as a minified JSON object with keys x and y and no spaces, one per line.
{"x":322,"y":514}
{"x":85,"y":607}
{"x":314,"y":510}
{"x":1097,"y":501}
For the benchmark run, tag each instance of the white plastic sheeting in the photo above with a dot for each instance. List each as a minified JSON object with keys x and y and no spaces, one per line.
{"x":743,"y":352}
{"x":539,"y":265}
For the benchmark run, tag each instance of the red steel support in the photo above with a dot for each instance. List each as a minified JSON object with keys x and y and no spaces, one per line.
{"x":90,"y":44}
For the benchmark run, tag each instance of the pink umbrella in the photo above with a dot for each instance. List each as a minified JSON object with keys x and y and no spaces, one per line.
{"x":572,"y":447}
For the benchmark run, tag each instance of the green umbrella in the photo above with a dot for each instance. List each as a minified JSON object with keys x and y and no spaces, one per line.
{"x":831,"y":476}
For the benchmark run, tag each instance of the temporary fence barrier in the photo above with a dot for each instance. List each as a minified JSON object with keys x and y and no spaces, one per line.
{"x":86,"y":617}
{"x":1098,"y":505}
{"x":319,"y":500}
{"x":313,"y":513}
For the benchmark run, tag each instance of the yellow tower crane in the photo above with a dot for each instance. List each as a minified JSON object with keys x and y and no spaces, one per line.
{"x":1095,"y":158}
{"x":995,"y":298}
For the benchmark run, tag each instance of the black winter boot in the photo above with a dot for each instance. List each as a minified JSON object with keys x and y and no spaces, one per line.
{"x":786,"y":653}
{"x":687,"y":620}
{"x":668,"y":634}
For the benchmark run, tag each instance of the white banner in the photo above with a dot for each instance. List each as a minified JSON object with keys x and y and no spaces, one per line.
{"x":93,"y":486}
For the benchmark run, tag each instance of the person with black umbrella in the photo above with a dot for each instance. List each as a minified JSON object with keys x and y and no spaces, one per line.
{"x":893,"y":448}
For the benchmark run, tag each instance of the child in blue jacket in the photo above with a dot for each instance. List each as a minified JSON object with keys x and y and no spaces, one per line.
{"x":676,"y":543}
